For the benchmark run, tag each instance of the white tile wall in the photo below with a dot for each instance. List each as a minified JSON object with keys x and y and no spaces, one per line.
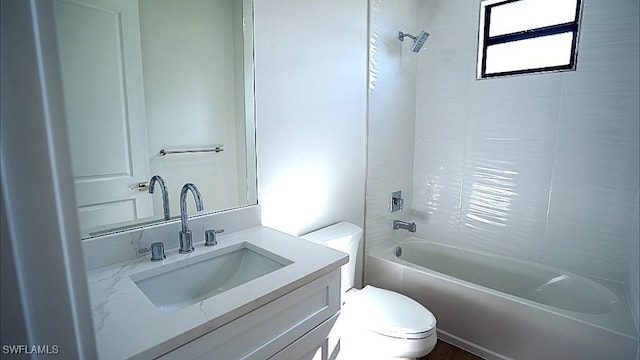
{"x":504,"y":196}
{"x":596,"y":165}
{"x":392,"y":108}
{"x":437,"y":187}
{"x":540,"y":167}
{"x":519,"y":118}
{"x":449,"y":121}
{"x":608,"y":50}
{"x":589,"y":230}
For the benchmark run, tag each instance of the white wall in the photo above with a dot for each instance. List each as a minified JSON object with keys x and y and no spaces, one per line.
{"x":310,"y":83}
{"x":539,"y":167}
{"x":392,"y":109}
{"x":633,"y":276}
{"x":191,"y":86}
{"x":45,"y":283}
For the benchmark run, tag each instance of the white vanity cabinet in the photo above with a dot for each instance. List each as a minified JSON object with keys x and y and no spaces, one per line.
{"x":293,"y":326}
{"x":287,"y":311}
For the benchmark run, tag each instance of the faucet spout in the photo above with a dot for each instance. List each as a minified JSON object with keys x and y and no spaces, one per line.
{"x":186,"y":242}
{"x":398,"y":224}
{"x":165,"y":194}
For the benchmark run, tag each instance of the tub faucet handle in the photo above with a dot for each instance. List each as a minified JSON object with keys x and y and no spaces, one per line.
{"x":397,"y":202}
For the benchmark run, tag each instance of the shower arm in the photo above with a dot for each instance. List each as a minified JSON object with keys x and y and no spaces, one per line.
{"x":402,"y":35}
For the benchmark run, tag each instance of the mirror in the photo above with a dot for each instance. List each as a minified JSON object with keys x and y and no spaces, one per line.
{"x":157,"y":87}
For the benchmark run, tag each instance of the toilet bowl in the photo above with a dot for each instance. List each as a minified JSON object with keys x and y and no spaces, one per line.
{"x":375,"y":323}
{"x":382,"y":324}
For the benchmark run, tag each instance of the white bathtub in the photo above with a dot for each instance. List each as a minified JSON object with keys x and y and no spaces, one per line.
{"x":503,"y":308}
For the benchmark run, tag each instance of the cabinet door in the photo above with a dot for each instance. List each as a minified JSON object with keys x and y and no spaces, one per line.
{"x":264,"y":332}
{"x":101,"y":60}
{"x":312,"y":346}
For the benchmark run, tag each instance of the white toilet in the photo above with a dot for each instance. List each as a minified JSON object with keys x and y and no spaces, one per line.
{"x":375,"y":323}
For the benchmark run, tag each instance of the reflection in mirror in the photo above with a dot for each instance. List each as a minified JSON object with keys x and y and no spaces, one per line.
{"x":145,"y":83}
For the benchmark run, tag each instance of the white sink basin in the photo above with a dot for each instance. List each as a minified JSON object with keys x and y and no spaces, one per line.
{"x":178,"y":285}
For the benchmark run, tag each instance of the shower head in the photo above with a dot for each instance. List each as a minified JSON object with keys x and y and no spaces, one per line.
{"x":418,"y":41}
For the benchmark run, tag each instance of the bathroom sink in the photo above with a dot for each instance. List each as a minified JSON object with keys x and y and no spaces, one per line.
{"x":174,"y":286}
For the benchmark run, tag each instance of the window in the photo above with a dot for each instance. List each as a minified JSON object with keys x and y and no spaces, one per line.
{"x":527,"y":36}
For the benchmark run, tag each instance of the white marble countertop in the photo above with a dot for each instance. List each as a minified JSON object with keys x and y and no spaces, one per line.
{"x":128,"y":325}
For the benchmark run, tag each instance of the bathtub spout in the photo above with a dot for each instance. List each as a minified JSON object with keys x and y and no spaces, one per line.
{"x":398,"y":224}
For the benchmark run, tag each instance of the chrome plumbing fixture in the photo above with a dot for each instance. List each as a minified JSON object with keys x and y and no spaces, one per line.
{"x":186,"y":241}
{"x":210,"y":237}
{"x":165,"y":193}
{"x":418,"y":41}
{"x":397,"y":202}
{"x":399,"y":224}
{"x":398,"y":251}
{"x":157,"y":251}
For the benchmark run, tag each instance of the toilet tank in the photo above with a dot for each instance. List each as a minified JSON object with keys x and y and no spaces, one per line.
{"x":344,"y":237}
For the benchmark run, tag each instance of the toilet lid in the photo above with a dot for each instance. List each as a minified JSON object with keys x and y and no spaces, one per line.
{"x":392,"y":314}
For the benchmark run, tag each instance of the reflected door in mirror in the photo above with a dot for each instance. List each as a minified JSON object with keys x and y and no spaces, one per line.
{"x":104,"y":97}
{"x":144,"y":75}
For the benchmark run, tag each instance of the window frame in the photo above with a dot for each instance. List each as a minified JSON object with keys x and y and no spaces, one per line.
{"x":485,"y":40}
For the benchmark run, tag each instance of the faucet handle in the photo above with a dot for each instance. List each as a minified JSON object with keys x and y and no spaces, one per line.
{"x":210,"y":238}
{"x":157,"y":251}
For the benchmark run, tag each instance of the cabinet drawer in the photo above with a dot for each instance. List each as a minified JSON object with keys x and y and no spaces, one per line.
{"x":270,"y":328}
{"x":310,"y":345}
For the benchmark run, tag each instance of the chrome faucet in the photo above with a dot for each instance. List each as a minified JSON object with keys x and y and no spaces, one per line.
{"x":165,"y":193}
{"x":398,"y":224}
{"x":186,"y":242}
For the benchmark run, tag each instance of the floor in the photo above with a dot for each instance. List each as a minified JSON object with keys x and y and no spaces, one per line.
{"x":444,"y":351}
